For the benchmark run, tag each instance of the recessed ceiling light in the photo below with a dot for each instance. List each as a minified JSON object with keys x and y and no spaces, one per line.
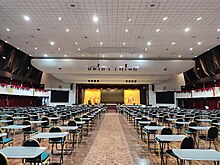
{"x":103,"y":55}
{"x":199,"y":18}
{"x":101,"y":43}
{"x":67,"y":30}
{"x":173,"y":43}
{"x":65,"y":55}
{"x":199,"y":43}
{"x":124,"y":43}
{"x":195,"y":56}
{"x":30,"y":55}
{"x":179,"y":56}
{"x":79,"y":49}
{"x":45,"y":55}
{"x":97,"y":30}
{"x":141,"y":56}
{"x":35,"y":48}
{"x":126,"y":30}
{"x":26,"y":18}
{"x":8,"y":29}
{"x":157,"y":30}
{"x":148,"y":43}
{"x":187,"y":29}
{"x":18,"y":48}
{"x":128,"y":19}
{"x":76,"y":43}
{"x":6,"y":41}
{"x":121,"y":55}
{"x":95,"y":18}
{"x":59,"y":18}
{"x":165,"y":18}
{"x":52,"y":43}
{"x":145,"y":49}
{"x":4,"y":57}
{"x":208,"y":49}
{"x":191,"y":49}
{"x":83,"y":55}
{"x":58,"y":48}
{"x":218,"y":30}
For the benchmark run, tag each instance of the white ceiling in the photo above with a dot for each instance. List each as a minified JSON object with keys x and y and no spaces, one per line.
{"x":113,"y":20}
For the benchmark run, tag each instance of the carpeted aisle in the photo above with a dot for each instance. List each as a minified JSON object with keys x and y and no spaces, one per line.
{"x":110,"y":145}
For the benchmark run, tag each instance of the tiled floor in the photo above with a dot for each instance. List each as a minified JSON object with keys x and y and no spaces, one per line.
{"x":112,"y":141}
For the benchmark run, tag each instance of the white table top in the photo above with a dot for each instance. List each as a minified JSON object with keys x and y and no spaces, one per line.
{"x":197,"y":154}
{"x":19,"y":117}
{"x":50,"y":135}
{"x":85,"y":119}
{"x":22,"y":152}
{"x":154,"y":128}
{"x":5,"y":121}
{"x":37,"y":122}
{"x":15,"y":126}
{"x":53,"y":118}
{"x":144,"y":122}
{"x":204,"y":120}
{"x":218,"y":124}
{"x":170,"y":137}
{"x":182,"y":122}
{"x":200,"y":128}
{"x":3,"y":134}
{"x":171,"y":119}
{"x":68,"y":128}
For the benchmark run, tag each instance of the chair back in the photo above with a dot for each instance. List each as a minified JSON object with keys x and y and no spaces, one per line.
{"x":77,"y":118}
{"x":1,"y":138}
{"x":27,"y":122}
{"x":214,"y":121}
{"x":212,"y":133}
{"x":193,"y":124}
{"x":45,"y":118}
{"x":166,"y":131}
{"x":72,"y":123}
{"x":153,"y":123}
{"x":3,"y":159}
{"x":55,"y":129}
{"x":187,"y":143}
{"x":31,"y":143}
{"x":179,"y":120}
{"x":10,"y":122}
{"x":144,"y":119}
{"x":84,"y":116}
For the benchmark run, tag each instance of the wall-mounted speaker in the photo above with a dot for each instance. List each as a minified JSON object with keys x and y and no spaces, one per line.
{"x":71,"y":86}
{"x":153,"y":87}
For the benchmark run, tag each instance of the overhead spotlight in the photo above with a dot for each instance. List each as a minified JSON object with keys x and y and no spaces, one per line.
{"x":95,"y":18}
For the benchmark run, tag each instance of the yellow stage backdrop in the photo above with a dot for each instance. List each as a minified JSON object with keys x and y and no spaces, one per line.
{"x":94,"y":95}
{"x":131,"y":96}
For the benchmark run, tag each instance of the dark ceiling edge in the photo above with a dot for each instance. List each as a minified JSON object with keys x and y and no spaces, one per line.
{"x":87,"y":58}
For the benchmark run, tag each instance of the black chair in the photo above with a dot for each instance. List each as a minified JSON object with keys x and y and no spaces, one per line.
{"x":150,"y":132}
{"x":10,"y":122}
{"x":46,"y":124}
{"x":44,"y":158}
{"x":186,"y":143}
{"x":76,"y":132}
{"x":3,"y":159}
{"x":56,"y":141}
{"x":54,"y":121}
{"x":5,"y":140}
{"x":28,"y":131}
{"x":178,"y":127}
{"x":165,"y":131}
{"x":211,"y":136}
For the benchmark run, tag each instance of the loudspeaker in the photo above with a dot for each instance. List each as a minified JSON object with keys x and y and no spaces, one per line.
{"x":152,"y":87}
{"x":71,"y":86}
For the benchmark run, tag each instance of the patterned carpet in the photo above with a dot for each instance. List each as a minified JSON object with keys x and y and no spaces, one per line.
{"x":110,"y":145}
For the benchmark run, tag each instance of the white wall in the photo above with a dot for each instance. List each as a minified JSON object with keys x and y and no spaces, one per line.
{"x":173,"y":84}
{"x":52,"y":83}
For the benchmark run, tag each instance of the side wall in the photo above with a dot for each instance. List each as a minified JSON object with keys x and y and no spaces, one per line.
{"x":52,"y":83}
{"x":173,"y":84}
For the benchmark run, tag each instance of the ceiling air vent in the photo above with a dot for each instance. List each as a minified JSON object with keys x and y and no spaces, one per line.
{"x":152,"y":5}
